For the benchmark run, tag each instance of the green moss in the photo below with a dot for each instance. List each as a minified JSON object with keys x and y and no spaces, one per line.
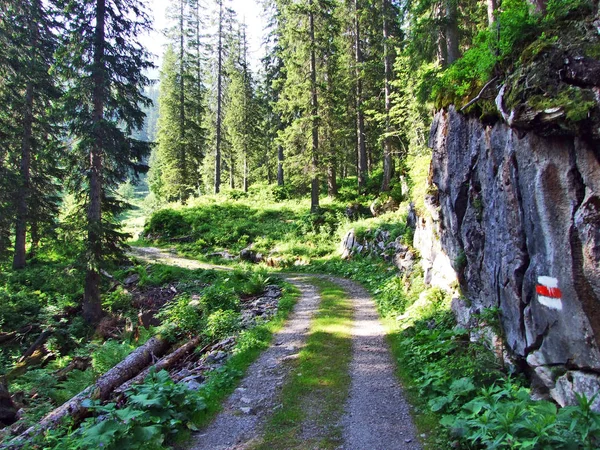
{"x":576,"y":103}
{"x":543,"y":43}
{"x":419,"y":173}
{"x":592,"y":50}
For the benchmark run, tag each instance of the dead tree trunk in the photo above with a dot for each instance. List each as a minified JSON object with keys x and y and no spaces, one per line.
{"x":388,"y":167}
{"x":360,"y":117}
{"x":219,"y":101}
{"x":101,"y":390}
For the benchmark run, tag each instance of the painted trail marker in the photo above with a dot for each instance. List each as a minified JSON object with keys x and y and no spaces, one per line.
{"x":548,"y":292}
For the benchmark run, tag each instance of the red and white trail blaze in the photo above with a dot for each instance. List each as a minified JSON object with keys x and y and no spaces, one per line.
{"x":548,"y":292}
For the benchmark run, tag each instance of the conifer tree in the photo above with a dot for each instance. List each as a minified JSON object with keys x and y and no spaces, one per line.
{"x":31,"y":136}
{"x":102,"y":64}
{"x":240,"y":121}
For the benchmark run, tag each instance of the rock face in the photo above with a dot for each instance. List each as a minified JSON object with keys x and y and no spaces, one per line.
{"x":437,"y":268}
{"x":520,"y":222}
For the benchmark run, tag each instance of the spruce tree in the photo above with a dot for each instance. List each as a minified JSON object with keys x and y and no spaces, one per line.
{"x":30,"y":134}
{"x":102,"y":64}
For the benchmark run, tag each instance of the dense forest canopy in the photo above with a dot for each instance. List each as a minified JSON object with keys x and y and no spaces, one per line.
{"x":346,"y":89}
{"x":271,"y":164}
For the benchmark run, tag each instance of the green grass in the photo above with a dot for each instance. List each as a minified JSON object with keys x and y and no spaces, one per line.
{"x":250,"y":344}
{"x":316,"y":389}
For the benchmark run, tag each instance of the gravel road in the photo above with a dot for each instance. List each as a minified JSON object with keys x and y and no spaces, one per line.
{"x":246,"y":410}
{"x":377,"y":416}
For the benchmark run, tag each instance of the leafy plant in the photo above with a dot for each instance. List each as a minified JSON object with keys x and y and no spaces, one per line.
{"x":221,"y":324}
{"x":182,"y":316}
{"x":109,"y":354}
{"x":157,"y":411}
{"x":219,"y":296}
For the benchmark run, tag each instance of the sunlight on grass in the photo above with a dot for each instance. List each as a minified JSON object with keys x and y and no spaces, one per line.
{"x":317,"y":387}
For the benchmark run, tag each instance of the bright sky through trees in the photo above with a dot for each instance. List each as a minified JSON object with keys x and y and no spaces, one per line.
{"x":247,"y":10}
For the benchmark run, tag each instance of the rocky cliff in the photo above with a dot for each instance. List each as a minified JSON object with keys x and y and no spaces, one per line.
{"x":519,"y":219}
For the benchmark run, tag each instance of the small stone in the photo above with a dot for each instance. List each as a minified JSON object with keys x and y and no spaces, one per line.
{"x":407,"y":440}
{"x":131,"y":279}
{"x":193,"y":385}
{"x":246,"y":400}
{"x":247,"y":410}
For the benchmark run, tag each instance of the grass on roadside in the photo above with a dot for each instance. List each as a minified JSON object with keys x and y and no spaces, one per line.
{"x":313,"y":398}
{"x":250,"y":344}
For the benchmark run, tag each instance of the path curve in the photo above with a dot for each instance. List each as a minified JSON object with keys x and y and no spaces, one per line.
{"x":377,"y":416}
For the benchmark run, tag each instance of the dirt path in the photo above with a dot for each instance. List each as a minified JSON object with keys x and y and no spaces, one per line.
{"x":377,"y":415}
{"x":246,"y":410}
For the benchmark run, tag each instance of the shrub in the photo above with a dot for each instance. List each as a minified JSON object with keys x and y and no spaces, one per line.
{"x":182,"y":316}
{"x":117,"y":300}
{"x":221,"y":324}
{"x":219,"y":296}
{"x":109,"y":355}
{"x":166,"y":223}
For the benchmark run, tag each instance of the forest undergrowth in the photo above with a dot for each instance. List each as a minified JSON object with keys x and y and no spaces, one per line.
{"x":465,"y":395}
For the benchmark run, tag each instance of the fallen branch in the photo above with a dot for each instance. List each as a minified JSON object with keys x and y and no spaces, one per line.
{"x":508,"y":118}
{"x":488,"y":84}
{"x":6,"y":337}
{"x":101,"y":390}
{"x":41,"y":340}
{"x":165,"y":362}
{"x":78,"y":363}
{"x":39,"y":358}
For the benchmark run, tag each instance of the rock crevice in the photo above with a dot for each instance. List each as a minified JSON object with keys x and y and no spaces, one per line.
{"x":519,"y":217}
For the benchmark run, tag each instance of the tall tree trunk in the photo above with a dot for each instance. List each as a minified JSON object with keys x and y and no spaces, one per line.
{"x":332,"y":187}
{"x":35,"y":239}
{"x":314,"y":191}
{"x":492,"y":5}
{"x":183,"y":194}
{"x":247,"y":130}
{"x":92,"y":306}
{"x":23,"y":197}
{"x":452,"y":34}
{"x":388,"y":164}
{"x":219,"y":95}
{"x":539,"y":6}
{"x":19,"y":259}
{"x":280,"y":180}
{"x":231,"y":172}
{"x":246,"y":169}
{"x":360,"y":117}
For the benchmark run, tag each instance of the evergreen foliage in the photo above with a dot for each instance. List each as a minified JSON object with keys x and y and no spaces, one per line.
{"x":102,"y":66}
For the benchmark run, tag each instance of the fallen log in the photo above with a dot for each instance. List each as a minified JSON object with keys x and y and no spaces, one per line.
{"x":7,"y":337}
{"x":39,"y":358}
{"x":126,"y":369}
{"x":165,"y":362}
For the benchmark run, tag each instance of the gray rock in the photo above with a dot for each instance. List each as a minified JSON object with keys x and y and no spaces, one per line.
{"x":131,"y":279}
{"x":576,"y":382}
{"x":348,"y":245}
{"x":512,"y":209}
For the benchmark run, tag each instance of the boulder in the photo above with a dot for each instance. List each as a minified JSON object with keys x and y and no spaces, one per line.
{"x":349,"y":245}
{"x":250,"y":255}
